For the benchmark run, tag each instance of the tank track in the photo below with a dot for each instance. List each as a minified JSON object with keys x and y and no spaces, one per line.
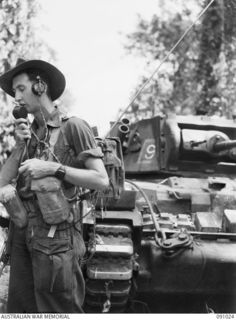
{"x":110,"y":269}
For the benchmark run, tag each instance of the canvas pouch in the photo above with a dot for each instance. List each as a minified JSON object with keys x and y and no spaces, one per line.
{"x":14,"y":206}
{"x":53,"y":204}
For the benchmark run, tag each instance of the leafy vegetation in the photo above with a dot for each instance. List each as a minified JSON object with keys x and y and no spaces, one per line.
{"x":199,"y":76}
{"x":18,"y":39}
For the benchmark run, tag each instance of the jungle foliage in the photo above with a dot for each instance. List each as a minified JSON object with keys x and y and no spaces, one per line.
{"x":19,"y":38}
{"x":199,"y":76}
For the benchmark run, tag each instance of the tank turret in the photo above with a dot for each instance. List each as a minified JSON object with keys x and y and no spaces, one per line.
{"x":188,"y":145}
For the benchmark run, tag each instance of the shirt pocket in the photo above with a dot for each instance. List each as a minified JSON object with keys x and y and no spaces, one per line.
{"x":64,"y":154}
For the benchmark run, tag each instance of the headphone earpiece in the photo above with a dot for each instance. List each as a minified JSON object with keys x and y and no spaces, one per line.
{"x":39,"y":86}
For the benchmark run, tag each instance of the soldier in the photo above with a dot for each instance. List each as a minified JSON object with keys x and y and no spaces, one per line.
{"x":52,"y":161}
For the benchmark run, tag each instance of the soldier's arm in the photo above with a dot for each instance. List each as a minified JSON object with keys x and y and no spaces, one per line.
{"x":9,"y":170}
{"x":93,"y":176}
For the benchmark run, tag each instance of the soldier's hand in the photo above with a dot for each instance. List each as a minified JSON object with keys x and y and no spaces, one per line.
{"x":22,"y":131}
{"x":36,"y":168}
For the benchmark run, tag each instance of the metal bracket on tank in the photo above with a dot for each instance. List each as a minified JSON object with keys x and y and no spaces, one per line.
{"x":181,"y":240}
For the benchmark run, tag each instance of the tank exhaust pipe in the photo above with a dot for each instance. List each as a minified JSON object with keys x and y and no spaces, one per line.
{"x":125,"y":121}
{"x":123,"y":132}
{"x":123,"y":129}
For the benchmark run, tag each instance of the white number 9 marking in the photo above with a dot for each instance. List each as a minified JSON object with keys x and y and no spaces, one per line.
{"x":150,"y":152}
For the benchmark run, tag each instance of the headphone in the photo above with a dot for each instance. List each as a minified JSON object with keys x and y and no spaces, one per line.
{"x":39,"y":86}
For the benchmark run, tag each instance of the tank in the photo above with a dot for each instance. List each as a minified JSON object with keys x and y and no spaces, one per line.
{"x":162,"y":239}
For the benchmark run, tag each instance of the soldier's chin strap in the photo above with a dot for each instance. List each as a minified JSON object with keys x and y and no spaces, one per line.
{"x":160,"y":64}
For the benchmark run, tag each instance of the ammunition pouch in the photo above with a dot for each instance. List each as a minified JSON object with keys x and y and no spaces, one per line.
{"x":14,"y":206}
{"x":53,"y":204}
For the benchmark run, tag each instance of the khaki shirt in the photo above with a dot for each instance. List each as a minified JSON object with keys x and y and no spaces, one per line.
{"x":74,"y":143}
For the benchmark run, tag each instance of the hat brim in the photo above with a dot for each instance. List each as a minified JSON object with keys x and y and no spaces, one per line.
{"x":56,"y":78}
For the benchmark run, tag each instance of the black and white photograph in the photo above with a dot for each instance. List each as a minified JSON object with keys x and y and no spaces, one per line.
{"x":117,"y":158}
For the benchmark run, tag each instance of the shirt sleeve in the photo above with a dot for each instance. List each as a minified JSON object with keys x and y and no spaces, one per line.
{"x":81,"y":140}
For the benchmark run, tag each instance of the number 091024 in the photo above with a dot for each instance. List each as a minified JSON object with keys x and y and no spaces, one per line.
{"x":224,"y":316}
